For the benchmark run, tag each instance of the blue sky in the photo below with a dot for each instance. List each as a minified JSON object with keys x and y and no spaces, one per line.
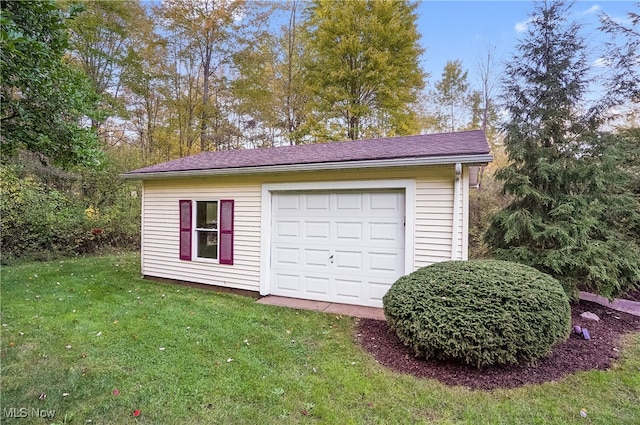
{"x":461,"y":29}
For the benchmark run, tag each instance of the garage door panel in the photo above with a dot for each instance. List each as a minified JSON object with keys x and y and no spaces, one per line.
{"x":348,"y":202}
{"x":316,"y":285}
{"x":351,"y":260}
{"x":377,"y":290}
{"x":287,"y":229}
{"x":287,"y":283}
{"x":351,"y":231}
{"x":344,"y":246}
{"x":286,"y":256}
{"x":385,"y":262}
{"x":384,"y":201}
{"x":350,"y":289}
{"x":287,"y":202}
{"x":317,"y":257}
{"x":317,"y":230}
{"x":386,"y":231}
{"x":317,"y":202}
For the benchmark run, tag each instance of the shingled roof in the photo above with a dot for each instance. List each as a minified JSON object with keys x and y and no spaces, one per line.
{"x":434,"y":148}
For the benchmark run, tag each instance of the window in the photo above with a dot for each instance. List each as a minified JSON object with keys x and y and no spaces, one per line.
{"x":207,"y":229}
{"x":212,"y":236}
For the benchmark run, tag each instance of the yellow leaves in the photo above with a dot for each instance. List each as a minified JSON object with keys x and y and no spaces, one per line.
{"x":92,"y":212}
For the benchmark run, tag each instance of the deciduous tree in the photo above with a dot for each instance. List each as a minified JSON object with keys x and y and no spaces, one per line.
{"x":102,"y":43}
{"x":145,"y":94}
{"x":452,"y":90}
{"x":364,"y":67}
{"x":487,"y":75}
{"x":623,"y":57}
{"x":210,"y":30}
{"x":44,"y":101}
{"x":271,"y":88}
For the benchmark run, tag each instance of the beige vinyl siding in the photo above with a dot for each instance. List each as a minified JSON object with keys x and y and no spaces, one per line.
{"x":434,"y":217}
{"x":160,"y":222}
{"x":161,"y":236}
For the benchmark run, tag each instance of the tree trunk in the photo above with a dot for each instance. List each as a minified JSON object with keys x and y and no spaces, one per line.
{"x":206,"y":67}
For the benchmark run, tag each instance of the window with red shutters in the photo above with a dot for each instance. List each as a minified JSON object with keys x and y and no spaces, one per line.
{"x":213,"y":231}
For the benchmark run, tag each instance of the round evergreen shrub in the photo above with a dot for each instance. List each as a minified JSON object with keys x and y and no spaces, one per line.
{"x":480,"y":313}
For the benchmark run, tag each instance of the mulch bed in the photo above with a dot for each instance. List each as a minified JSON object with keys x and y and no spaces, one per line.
{"x":575,"y":354}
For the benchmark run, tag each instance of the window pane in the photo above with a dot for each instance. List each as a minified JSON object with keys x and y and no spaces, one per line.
{"x":208,"y":244}
{"x":207,"y":215}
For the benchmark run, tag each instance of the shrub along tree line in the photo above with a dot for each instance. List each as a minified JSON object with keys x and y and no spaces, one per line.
{"x":46,"y":212}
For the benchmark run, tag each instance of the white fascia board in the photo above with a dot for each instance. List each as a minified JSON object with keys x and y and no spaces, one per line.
{"x":341,"y":165}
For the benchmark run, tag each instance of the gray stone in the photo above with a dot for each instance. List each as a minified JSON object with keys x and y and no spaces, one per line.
{"x":590,"y":316}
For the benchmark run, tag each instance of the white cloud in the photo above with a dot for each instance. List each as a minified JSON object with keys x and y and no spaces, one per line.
{"x":521,"y":27}
{"x":593,"y":9}
{"x":600,"y":63}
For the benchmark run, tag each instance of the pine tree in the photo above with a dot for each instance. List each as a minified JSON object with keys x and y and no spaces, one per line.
{"x":571,"y":212}
{"x":623,"y":89}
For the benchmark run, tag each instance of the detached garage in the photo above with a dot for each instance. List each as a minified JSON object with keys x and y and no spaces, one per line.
{"x":337,"y":222}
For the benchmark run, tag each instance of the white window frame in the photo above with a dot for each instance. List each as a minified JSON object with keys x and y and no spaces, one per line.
{"x":195,"y":232}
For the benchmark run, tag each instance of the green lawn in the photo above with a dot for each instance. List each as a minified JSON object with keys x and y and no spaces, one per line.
{"x":76,"y":330}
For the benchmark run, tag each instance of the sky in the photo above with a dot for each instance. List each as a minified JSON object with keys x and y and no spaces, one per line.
{"x":465,"y":29}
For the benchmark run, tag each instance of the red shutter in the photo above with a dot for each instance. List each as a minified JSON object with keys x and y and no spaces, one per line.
{"x":185,"y":230}
{"x":226,"y":231}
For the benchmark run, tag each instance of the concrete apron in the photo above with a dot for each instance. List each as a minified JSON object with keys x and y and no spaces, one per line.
{"x":625,"y":306}
{"x":324,"y":307}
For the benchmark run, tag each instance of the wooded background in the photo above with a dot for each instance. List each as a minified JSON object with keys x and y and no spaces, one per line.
{"x":92,"y":89}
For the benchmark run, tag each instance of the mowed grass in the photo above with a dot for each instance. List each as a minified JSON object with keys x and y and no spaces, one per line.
{"x":78,"y":330}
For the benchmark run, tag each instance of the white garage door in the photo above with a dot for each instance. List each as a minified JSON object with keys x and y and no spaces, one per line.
{"x":344,"y":246}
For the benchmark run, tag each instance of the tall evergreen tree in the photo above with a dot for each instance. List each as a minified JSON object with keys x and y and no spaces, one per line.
{"x":571,"y":210}
{"x":623,"y":87}
{"x":365,"y":69}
